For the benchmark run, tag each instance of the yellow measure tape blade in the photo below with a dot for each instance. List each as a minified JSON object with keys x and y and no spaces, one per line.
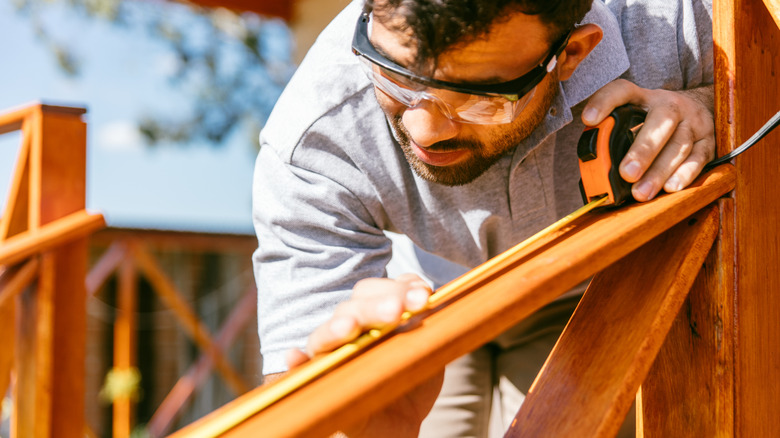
{"x":322,"y":364}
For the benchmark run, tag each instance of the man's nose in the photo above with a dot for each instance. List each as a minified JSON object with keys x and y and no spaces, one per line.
{"x":427,"y":124}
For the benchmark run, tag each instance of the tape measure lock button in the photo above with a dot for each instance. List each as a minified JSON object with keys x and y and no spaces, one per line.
{"x":586,"y":147}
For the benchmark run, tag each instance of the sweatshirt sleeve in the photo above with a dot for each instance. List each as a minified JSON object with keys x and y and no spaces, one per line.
{"x":315,"y":241}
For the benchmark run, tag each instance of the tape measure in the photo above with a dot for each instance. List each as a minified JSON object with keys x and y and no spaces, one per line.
{"x":600,"y":150}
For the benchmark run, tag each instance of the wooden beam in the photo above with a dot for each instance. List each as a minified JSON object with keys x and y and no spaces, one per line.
{"x":13,"y":281}
{"x":689,"y":391}
{"x":7,"y":323}
{"x":51,"y":318}
{"x":191,"y":241}
{"x":773,"y":7}
{"x":72,"y":227}
{"x":165,"y":414}
{"x":125,"y":344}
{"x":105,"y":266}
{"x":274,"y":8}
{"x":588,"y":383}
{"x":747,"y":41}
{"x":411,"y":356}
{"x":15,"y":216}
{"x":199,"y":333}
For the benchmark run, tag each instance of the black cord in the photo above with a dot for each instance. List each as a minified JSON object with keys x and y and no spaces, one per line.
{"x":761,"y":133}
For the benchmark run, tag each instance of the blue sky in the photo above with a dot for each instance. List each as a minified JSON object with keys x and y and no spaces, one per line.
{"x":198,"y":187}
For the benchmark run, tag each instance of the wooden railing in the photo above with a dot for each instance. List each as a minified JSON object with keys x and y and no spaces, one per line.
{"x":683,"y":313}
{"x":131,"y":255}
{"x":596,"y":367}
{"x":43,"y":263}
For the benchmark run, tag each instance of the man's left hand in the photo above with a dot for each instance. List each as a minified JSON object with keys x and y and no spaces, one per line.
{"x":675,"y":142}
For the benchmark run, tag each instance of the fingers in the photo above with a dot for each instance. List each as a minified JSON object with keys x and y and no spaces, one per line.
{"x":671,"y":154}
{"x":296,"y":358}
{"x":674,"y":143}
{"x":609,"y":97}
{"x":703,"y":152}
{"x":375,"y":303}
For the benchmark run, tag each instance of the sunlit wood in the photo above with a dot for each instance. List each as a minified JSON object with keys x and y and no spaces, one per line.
{"x":747,"y":41}
{"x":275,"y":8}
{"x":125,"y":344}
{"x":689,"y":391}
{"x":588,"y":383}
{"x":50,"y":315}
{"x":72,"y":227}
{"x":14,"y":218}
{"x":410,"y":357}
{"x":13,"y":281}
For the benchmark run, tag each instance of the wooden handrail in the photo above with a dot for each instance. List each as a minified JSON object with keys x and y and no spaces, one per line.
{"x":410,"y":357}
{"x":60,"y":231}
{"x":11,"y":120}
{"x":45,"y":218}
{"x":588,"y":382}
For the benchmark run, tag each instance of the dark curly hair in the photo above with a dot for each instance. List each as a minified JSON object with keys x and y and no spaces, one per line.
{"x":438,"y":25}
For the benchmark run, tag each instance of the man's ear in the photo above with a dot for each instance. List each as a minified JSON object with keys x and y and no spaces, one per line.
{"x":582,"y":40}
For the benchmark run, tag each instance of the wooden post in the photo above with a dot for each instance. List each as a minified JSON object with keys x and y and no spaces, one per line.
{"x":689,"y":391}
{"x":51,"y":317}
{"x":747,"y":43}
{"x":125,"y":343}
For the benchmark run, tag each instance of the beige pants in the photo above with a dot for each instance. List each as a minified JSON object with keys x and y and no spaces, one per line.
{"x":483,"y":390}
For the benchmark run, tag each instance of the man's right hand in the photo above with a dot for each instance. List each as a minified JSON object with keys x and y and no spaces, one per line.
{"x":377,"y":302}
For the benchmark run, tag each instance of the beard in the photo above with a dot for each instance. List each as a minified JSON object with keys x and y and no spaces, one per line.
{"x":481,"y":155}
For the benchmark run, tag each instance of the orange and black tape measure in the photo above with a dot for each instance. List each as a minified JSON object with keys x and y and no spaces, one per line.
{"x":600,"y":150}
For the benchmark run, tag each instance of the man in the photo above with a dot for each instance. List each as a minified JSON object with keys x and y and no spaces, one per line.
{"x":420,"y":138}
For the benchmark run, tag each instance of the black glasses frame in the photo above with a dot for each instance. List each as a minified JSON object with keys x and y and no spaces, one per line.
{"x":511,"y":90}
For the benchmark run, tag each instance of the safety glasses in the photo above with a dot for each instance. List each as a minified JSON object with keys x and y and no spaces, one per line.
{"x":467,"y":103}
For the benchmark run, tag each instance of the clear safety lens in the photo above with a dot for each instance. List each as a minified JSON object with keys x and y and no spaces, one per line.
{"x":461,"y":107}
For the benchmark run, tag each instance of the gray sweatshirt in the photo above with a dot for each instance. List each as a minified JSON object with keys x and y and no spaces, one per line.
{"x":334,"y":200}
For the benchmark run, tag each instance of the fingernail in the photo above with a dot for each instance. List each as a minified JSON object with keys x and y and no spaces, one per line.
{"x":645,"y":189}
{"x":673,"y":184}
{"x":589,"y":115}
{"x":341,"y":327}
{"x":632,"y":170}
{"x":417,"y":299}
{"x":389,"y":310}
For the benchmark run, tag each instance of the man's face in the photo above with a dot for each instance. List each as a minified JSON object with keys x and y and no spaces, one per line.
{"x":454,"y":153}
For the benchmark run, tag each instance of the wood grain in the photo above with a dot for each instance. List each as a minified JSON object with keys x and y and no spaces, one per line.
{"x":51,"y":317}
{"x":747,"y":42}
{"x":125,"y":344}
{"x":588,"y":383}
{"x":689,"y":391}
{"x":57,"y":232}
{"x":14,"y":218}
{"x":408,"y":358}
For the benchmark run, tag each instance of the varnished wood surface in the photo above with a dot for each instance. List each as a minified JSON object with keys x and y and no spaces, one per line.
{"x":773,"y":7}
{"x":12,"y":119}
{"x":125,"y":345}
{"x":689,"y":391}
{"x":72,"y":227}
{"x":275,"y":8}
{"x":403,"y":361}
{"x":14,"y":218}
{"x":747,"y":43}
{"x":14,"y":280}
{"x":588,"y":383}
{"x":50,"y":316}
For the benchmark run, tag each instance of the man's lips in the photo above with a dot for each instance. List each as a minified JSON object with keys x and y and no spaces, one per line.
{"x":438,"y":158}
